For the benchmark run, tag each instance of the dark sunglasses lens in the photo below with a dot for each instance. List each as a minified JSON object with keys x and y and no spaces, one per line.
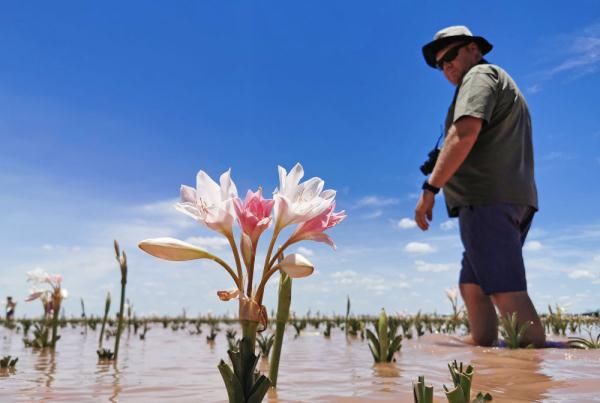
{"x":449,"y":56}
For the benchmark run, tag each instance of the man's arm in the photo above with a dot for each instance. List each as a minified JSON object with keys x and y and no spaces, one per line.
{"x":459,"y":141}
{"x":461,"y":137}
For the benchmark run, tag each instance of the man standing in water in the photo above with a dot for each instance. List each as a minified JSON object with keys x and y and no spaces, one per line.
{"x":485,"y":169}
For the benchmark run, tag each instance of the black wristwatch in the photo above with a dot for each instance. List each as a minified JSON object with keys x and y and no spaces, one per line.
{"x":431,"y":188}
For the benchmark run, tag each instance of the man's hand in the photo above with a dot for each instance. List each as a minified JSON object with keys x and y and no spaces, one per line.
{"x":424,"y":210}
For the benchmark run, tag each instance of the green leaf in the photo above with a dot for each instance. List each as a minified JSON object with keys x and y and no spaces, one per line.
{"x":259,"y":390}
{"x":395,"y":346}
{"x":455,"y":395}
{"x":233,"y":385}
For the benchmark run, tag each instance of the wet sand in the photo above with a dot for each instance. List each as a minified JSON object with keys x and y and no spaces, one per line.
{"x":175,"y":366}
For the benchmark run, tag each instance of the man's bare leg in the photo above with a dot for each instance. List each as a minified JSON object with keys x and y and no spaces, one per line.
{"x":519,"y":302}
{"x":482,"y":315}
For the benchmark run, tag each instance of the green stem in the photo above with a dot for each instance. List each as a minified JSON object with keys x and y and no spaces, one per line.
{"x":238,"y":264}
{"x":271,"y":245}
{"x":283,"y":313}
{"x":249,"y":331}
{"x":279,"y":252}
{"x":251,"y":272}
{"x":120,"y":323}
{"x":55,"y":322}
{"x":106,"y":309}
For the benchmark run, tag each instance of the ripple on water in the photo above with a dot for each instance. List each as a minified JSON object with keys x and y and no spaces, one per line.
{"x":176,"y":366}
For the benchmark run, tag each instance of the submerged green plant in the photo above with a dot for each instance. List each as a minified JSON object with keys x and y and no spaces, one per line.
{"x":244,"y":384}
{"x":101,"y":352}
{"x":511,"y":331}
{"x":582,"y":343}
{"x":327,"y":331}
{"x":421,"y":392}
{"x":105,"y":354}
{"x":213,"y":333}
{"x":299,"y":326}
{"x":556,"y":321}
{"x":385,"y":343}
{"x":7,"y":362}
{"x":347,"y":314}
{"x":461,"y":393}
{"x":41,"y":334}
{"x":265,"y":343}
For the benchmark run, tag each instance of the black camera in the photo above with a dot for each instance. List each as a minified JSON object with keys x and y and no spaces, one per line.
{"x":432,"y":157}
{"x":428,"y":165}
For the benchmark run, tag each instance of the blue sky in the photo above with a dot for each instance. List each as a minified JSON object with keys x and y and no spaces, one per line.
{"x":106,"y":109}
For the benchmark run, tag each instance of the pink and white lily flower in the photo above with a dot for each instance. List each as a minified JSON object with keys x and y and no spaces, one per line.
{"x":210,"y":203}
{"x":297,"y":202}
{"x":314,"y":228}
{"x":254,"y":214}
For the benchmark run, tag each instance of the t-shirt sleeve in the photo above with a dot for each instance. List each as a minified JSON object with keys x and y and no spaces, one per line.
{"x":477,"y":94}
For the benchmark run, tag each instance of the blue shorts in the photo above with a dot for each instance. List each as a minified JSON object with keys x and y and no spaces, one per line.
{"x":493,"y":238}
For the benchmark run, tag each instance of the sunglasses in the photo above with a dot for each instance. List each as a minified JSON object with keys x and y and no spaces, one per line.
{"x":449,"y":56}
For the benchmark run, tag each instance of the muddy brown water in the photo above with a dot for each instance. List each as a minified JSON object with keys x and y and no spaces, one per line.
{"x":175,"y":366}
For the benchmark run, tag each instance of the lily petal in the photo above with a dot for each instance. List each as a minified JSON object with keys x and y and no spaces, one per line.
{"x":296,"y":266}
{"x":173,"y":249}
{"x":34,"y":295}
{"x":227,"y":295}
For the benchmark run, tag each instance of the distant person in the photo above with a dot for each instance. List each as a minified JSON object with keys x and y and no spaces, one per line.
{"x":486,"y":171}
{"x":10,"y":308}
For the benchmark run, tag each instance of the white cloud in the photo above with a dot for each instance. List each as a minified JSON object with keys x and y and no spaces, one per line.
{"x":406,"y":223}
{"x":374,"y":214}
{"x":577,"y":54}
{"x":448,"y":225}
{"x":305,"y":251}
{"x":376,"y":201}
{"x":557,"y":156}
{"x":426,"y":267}
{"x":209,"y":242}
{"x":577,"y":274}
{"x":419,"y":247}
{"x":533,"y":246}
{"x":533,"y":89}
{"x":47,"y":247}
{"x":376,"y":284}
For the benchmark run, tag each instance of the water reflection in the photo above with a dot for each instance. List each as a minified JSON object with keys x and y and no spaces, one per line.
{"x":108,"y":378}
{"x":45,"y":365}
{"x":505,"y":372}
{"x":182,"y":368}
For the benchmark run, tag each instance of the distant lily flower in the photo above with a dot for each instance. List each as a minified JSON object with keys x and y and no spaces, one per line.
{"x":452,"y":293}
{"x":50,"y":298}
{"x":37,"y":276}
{"x":313,"y":228}
{"x":210,"y":204}
{"x":297,"y":202}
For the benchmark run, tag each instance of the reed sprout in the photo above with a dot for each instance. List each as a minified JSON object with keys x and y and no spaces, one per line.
{"x":513,"y":332}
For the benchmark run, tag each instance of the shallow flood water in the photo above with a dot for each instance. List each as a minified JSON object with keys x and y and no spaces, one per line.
{"x":176,"y":366}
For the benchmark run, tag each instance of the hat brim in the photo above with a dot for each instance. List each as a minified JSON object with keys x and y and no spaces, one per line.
{"x":431,"y":49}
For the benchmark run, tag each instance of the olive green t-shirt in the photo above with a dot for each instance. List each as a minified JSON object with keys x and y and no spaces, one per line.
{"x":499,"y":167}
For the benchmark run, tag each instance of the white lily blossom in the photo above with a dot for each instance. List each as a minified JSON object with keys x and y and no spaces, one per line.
{"x":210,"y":203}
{"x":296,"y":266}
{"x":37,"y":275}
{"x":452,"y":293}
{"x":297,"y":202}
